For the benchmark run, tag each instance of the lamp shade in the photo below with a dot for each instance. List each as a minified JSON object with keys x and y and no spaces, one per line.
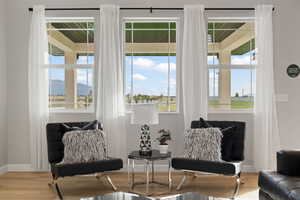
{"x":144,"y":114}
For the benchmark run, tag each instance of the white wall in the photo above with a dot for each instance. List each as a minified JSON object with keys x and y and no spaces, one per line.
{"x":3,"y":80}
{"x":286,"y":50}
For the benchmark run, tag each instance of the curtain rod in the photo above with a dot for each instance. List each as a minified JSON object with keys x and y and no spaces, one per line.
{"x":150,"y":9}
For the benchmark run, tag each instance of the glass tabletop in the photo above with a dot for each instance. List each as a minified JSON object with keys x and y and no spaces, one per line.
{"x":131,"y":196}
{"x":156,"y":155}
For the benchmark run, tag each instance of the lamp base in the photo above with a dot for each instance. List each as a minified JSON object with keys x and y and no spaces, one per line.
{"x":145,"y":141}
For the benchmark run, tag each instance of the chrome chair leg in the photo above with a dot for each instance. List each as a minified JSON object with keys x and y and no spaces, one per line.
{"x":54,"y":184}
{"x":237,"y":186}
{"x":111,"y":183}
{"x":181,"y":182}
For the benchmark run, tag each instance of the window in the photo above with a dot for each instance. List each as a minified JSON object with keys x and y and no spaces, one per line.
{"x":71,"y":60}
{"x":150,"y":63}
{"x":231,"y":61}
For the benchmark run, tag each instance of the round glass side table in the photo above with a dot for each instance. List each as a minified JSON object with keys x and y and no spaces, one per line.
{"x":149,"y":162}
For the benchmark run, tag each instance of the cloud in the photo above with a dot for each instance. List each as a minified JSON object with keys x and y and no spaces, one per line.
{"x":163,"y":67}
{"x":172,"y":83}
{"x":240,"y":60}
{"x":143,"y":62}
{"x":139,"y":77}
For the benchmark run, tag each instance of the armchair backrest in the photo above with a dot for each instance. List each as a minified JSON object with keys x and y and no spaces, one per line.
{"x":55,"y":133}
{"x":237,"y":141}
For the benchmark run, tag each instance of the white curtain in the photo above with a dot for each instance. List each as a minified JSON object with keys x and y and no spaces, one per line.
{"x":194,"y":64}
{"x":38,"y":88}
{"x":266,"y":132}
{"x":110,"y":98}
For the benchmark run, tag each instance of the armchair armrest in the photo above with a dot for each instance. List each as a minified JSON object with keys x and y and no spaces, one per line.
{"x":288,"y":163}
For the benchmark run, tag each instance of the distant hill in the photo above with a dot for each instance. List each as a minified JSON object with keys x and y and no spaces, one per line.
{"x":58,"y":87}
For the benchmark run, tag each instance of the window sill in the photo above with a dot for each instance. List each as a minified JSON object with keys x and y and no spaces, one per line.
{"x":246,"y":111}
{"x":54,"y":112}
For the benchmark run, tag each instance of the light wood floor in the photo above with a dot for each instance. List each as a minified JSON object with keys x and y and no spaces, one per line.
{"x":29,"y":185}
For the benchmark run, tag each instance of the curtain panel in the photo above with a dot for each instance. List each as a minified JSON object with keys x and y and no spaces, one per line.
{"x":110,"y":108}
{"x":38,"y":88}
{"x":266,"y":131}
{"x":194,"y":64}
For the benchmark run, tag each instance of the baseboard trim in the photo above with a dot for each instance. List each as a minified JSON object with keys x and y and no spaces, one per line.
{"x":3,"y":169}
{"x":19,"y":168}
{"x":164,"y":168}
{"x":138,"y":168}
{"x":248,"y":168}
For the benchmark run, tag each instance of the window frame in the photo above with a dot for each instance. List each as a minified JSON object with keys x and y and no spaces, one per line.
{"x":250,"y":66}
{"x":61,"y":19}
{"x":177,"y":20}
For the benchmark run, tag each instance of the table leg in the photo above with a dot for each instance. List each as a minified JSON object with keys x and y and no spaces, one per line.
{"x":170,"y":176}
{"x":132,"y":174}
{"x":152,"y":163}
{"x":147,"y":178}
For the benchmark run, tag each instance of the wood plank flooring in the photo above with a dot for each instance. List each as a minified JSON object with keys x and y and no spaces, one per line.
{"x":34,"y":185}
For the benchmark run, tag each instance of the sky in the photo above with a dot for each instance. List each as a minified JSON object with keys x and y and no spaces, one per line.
{"x":150,"y":74}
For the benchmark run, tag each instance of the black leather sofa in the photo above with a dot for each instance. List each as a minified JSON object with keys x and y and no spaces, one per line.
{"x":55,"y":133}
{"x":232,"y":151}
{"x":283,"y":184}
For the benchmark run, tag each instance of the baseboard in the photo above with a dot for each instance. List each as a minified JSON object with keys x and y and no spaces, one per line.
{"x":248,"y":168}
{"x":138,"y":168}
{"x":164,"y":168}
{"x":3,"y":169}
{"x":19,"y":168}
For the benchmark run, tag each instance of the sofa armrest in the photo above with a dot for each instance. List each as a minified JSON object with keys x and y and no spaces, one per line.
{"x":288,"y":163}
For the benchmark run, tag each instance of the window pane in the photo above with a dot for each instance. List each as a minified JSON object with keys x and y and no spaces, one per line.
{"x":242,"y":84}
{"x":56,"y":88}
{"x":242,"y":88}
{"x":150,"y":64}
{"x":71,"y":43}
{"x":84,"y":88}
{"x":231,"y":43}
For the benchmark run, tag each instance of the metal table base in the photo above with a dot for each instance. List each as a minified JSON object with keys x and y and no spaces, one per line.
{"x":131,"y":176}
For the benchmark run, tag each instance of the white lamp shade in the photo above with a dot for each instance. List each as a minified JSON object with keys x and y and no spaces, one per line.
{"x":144,"y":114}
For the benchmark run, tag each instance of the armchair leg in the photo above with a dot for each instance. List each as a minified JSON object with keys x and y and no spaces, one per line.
{"x":55,"y":184}
{"x":181,"y":182}
{"x":237,"y":186}
{"x":111,"y":183}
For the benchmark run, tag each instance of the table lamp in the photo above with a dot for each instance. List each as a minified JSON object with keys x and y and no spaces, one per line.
{"x":144,"y":114}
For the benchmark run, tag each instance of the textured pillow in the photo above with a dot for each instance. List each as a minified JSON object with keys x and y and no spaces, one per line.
{"x":203,"y":144}
{"x":227,"y":139}
{"x":90,"y":126}
{"x":83,"y":146}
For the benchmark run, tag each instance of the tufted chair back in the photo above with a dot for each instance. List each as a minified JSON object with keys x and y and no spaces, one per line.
{"x":235,"y":142}
{"x":55,"y":133}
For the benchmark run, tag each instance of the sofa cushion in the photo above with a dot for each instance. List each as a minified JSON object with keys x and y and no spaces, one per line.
{"x":288,"y":162}
{"x":61,"y":170}
{"x":279,"y":186}
{"x":203,"y":144}
{"x":221,"y":167}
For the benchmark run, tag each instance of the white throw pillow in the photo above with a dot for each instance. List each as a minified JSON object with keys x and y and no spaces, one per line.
{"x":203,"y":144}
{"x":82,"y":146}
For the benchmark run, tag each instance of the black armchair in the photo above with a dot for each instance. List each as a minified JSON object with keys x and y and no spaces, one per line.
{"x":232,"y":152}
{"x":55,"y":133}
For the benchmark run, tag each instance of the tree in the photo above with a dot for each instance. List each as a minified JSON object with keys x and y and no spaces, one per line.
{"x":237,"y":94}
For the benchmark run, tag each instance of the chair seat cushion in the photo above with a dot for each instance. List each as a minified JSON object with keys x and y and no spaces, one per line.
{"x":225,"y":168}
{"x":61,"y":170}
{"x":279,"y":186}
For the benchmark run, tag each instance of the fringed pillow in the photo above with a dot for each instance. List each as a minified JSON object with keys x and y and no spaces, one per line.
{"x":82,"y":146}
{"x":203,"y":144}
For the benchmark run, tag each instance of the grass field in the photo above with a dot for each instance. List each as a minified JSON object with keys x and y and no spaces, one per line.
{"x":83,"y":102}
